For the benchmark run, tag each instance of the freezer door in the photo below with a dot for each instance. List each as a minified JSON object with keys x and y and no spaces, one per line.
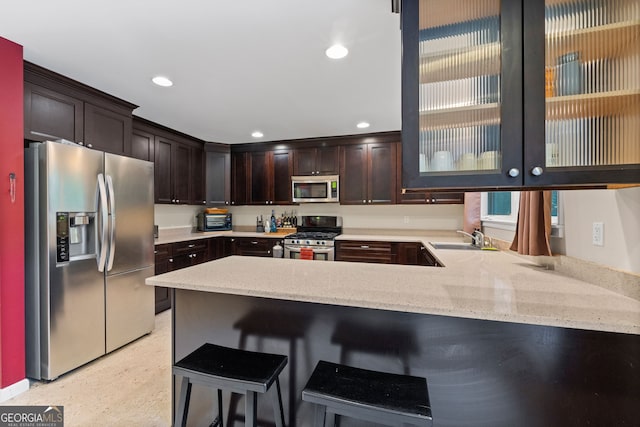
{"x":71,"y":292}
{"x":130,"y":188}
{"x":130,"y":308}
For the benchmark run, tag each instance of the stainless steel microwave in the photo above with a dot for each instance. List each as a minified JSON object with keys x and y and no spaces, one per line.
{"x":313,"y":189}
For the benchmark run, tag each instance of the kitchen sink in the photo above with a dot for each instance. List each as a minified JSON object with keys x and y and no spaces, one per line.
{"x":459,"y":246}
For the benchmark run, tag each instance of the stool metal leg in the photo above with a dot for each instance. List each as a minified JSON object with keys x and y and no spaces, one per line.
{"x":332,"y":419}
{"x":220,"y":408}
{"x":251,"y":408}
{"x":319,"y":415}
{"x":183,"y":403}
{"x":278,"y":410}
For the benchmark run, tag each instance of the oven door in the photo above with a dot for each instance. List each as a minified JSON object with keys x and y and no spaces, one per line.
{"x":319,"y":254}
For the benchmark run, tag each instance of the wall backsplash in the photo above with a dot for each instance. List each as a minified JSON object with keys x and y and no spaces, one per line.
{"x":407,"y":217}
{"x":176,"y":215}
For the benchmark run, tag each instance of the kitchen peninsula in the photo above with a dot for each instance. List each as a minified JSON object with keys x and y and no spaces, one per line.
{"x":500,"y":341}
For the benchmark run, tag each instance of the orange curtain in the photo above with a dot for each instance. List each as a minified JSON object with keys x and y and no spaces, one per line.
{"x":534,"y":224}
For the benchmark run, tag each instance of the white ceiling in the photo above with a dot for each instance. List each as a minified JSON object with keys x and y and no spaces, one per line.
{"x":237,"y":65}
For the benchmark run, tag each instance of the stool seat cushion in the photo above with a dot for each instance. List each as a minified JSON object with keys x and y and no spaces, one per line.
{"x":211,"y":359}
{"x":402,"y":394}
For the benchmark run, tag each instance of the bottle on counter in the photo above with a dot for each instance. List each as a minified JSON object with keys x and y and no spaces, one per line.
{"x":272,"y":222}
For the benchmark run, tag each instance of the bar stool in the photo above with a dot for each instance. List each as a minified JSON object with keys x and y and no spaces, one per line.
{"x":372,"y":396}
{"x":237,"y":371}
{"x":285,"y":326}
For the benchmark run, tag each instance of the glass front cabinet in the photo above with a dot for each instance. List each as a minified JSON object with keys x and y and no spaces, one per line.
{"x":520,"y":93}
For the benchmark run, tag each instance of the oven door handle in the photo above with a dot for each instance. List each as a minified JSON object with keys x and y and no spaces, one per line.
{"x":317,"y":251}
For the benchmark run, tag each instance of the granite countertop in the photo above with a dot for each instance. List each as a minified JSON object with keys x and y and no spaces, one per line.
{"x":181,"y":237}
{"x":473,"y":284}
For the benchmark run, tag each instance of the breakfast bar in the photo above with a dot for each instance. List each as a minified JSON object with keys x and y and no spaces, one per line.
{"x":500,"y":341}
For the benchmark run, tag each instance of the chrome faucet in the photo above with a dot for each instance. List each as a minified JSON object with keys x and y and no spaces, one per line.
{"x":477,"y":238}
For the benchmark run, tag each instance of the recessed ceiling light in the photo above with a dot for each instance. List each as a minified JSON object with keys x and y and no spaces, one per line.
{"x":337,"y":51}
{"x":257,"y":134}
{"x":363,"y":125}
{"x":162,"y":81}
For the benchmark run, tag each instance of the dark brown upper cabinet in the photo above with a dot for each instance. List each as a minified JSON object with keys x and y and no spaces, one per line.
{"x":56,"y":107}
{"x":270,"y":177}
{"x":179,"y":165}
{"x":368,"y":173}
{"x":107,"y":130}
{"x":493,"y":100}
{"x":316,"y":161}
{"x":239,"y":178}
{"x":142,"y":145}
{"x":197,"y":176}
{"x":51,"y":115}
{"x":218,"y":174}
{"x":172,"y":171}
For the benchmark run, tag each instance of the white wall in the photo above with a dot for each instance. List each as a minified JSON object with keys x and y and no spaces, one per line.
{"x":619,"y":210}
{"x":408,"y":217}
{"x":176,"y":215}
{"x":405,"y":217}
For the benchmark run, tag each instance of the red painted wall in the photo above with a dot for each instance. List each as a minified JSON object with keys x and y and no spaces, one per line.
{"x":12,"y":340}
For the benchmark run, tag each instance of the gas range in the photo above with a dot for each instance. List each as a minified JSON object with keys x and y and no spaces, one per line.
{"x":314,"y":239}
{"x":311,"y":238}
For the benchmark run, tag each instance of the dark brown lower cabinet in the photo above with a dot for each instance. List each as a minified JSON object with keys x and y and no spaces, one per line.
{"x":247,"y":246}
{"x":163,"y":263}
{"x":365,"y":251}
{"x":174,"y":256}
{"x":405,"y":253}
{"x":414,"y":253}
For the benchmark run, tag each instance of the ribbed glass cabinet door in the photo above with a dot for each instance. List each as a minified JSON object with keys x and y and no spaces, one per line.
{"x":459,"y":86}
{"x":592,"y":83}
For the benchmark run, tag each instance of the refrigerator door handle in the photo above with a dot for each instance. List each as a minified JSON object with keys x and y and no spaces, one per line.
{"x":112,"y":226}
{"x":104,"y":213}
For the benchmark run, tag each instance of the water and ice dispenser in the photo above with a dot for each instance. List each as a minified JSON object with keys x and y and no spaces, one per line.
{"x":75,"y":236}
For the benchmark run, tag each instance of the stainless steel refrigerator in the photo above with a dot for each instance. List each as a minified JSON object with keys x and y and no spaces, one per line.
{"x":89,"y":248}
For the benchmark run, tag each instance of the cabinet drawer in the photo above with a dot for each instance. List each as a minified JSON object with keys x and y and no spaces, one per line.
{"x":163,"y":251}
{"x":252,"y":247}
{"x":365,"y":251}
{"x":190,"y":246}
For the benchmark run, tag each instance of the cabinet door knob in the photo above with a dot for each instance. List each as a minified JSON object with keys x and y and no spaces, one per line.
{"x":191,"y":246}
{"x":369,"y":201}
{"x":364,"y":201}
{"x":204,"y":202}
{"x":513,"y":172}
{"x":170,"y":259}
{"x":90,"y":145}
{"x":537,"y":171}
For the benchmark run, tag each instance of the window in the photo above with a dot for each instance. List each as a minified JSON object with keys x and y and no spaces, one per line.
{"x":500,"y":210}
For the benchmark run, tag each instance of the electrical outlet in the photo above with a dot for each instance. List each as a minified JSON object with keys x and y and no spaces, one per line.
{"x":598,"y":234}
{"x":406,"y":219}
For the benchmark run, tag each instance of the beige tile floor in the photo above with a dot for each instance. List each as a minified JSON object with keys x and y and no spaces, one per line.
{"x":129,"y":387}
